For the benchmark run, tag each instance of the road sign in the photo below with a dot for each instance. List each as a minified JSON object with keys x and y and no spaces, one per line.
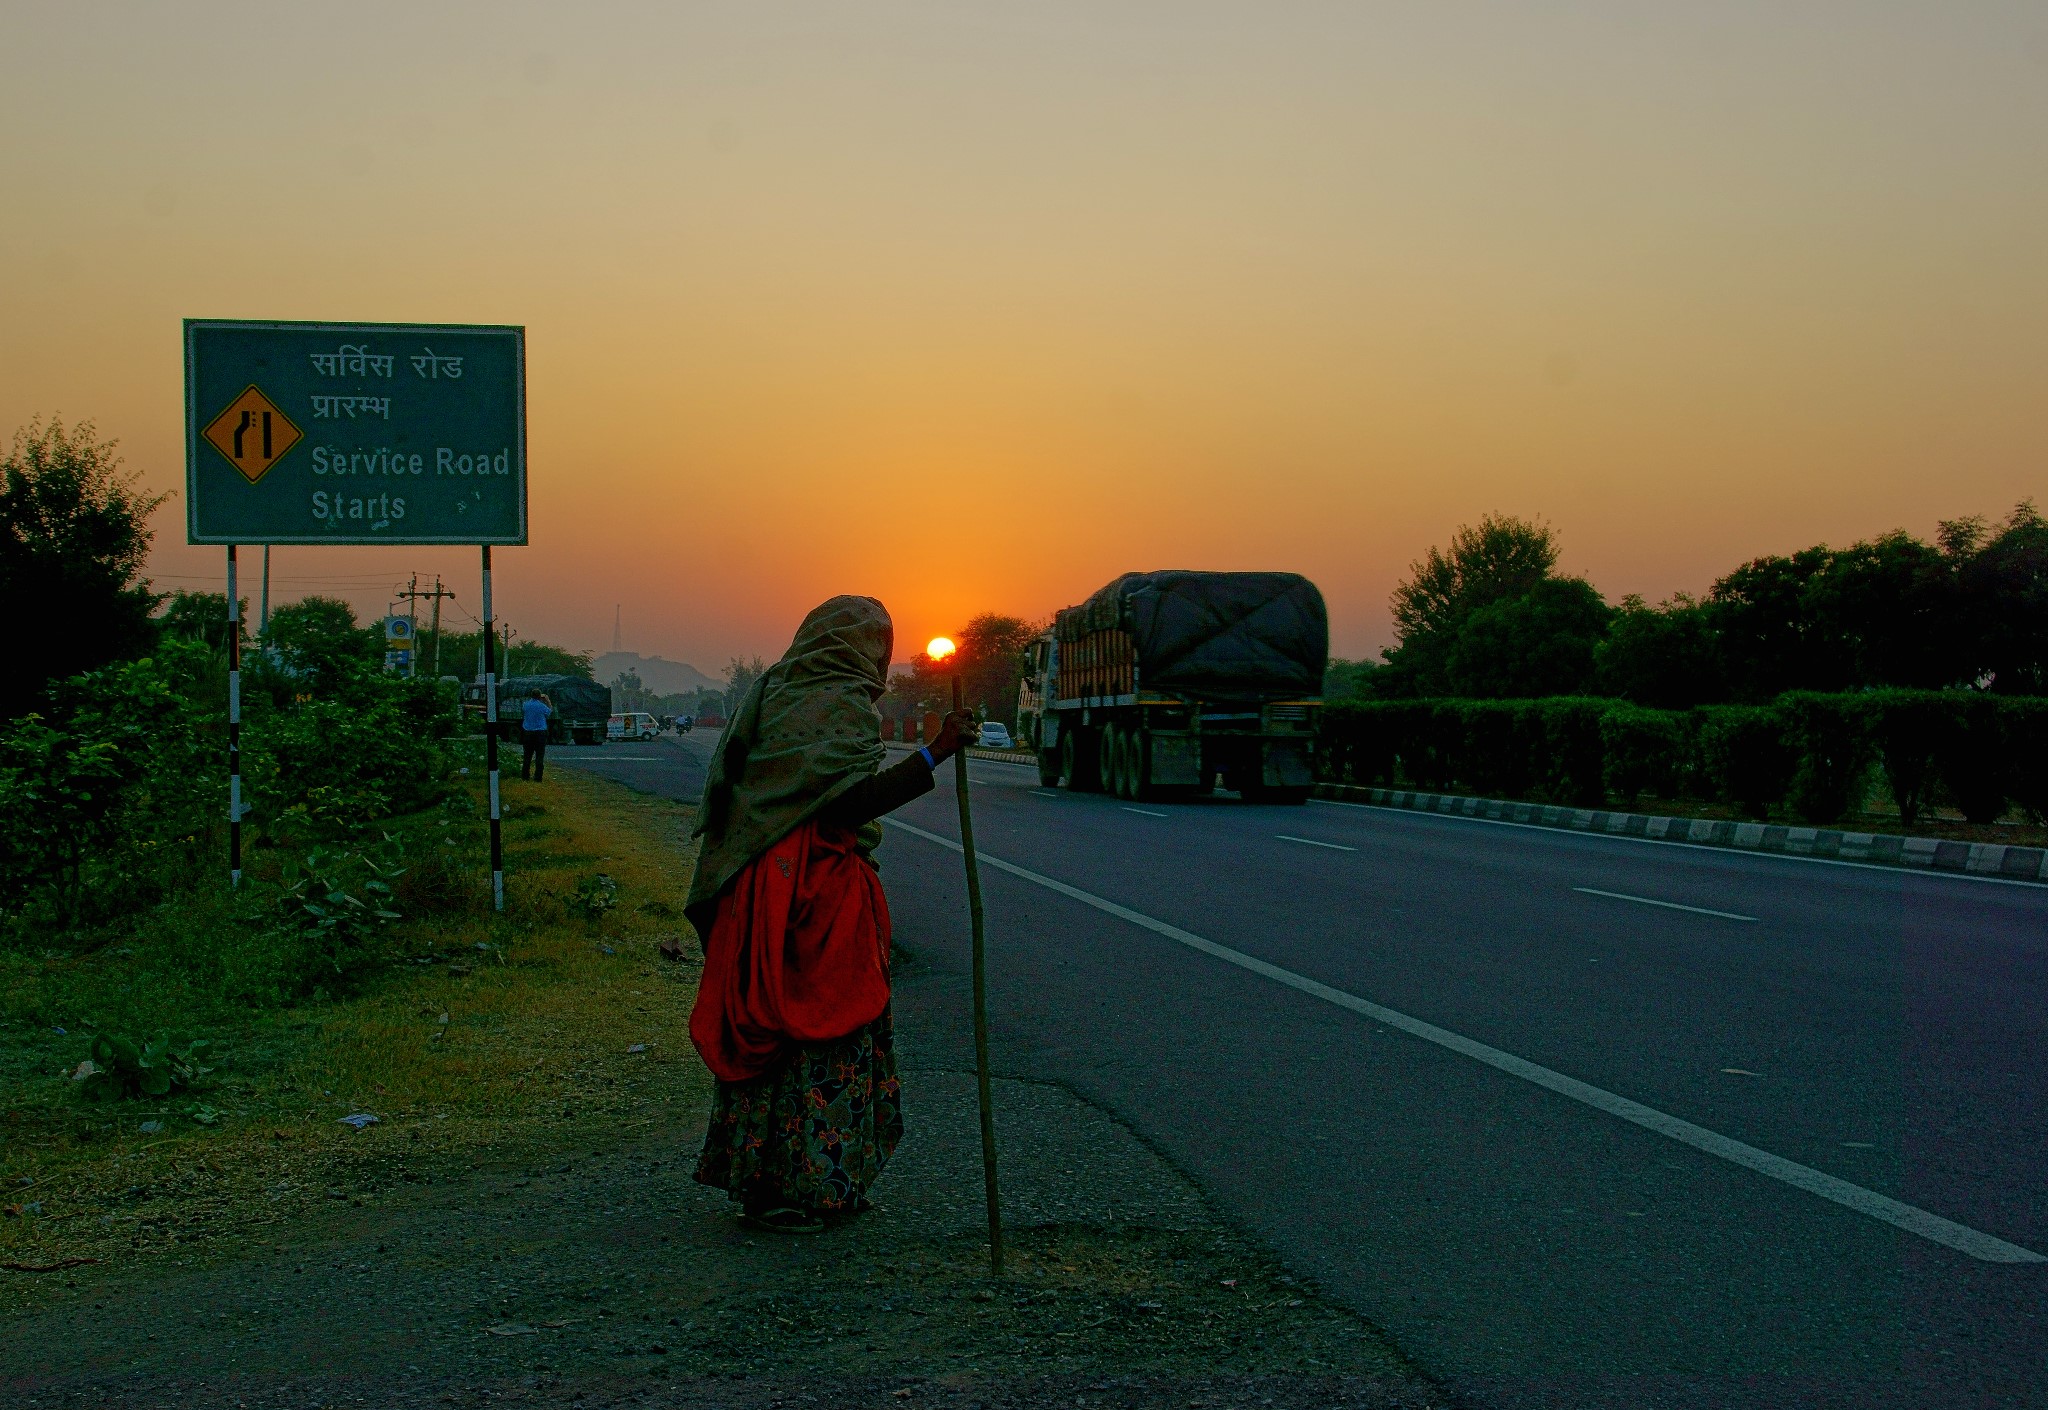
{"x":252,"y":433}
{"x":354,"y":433}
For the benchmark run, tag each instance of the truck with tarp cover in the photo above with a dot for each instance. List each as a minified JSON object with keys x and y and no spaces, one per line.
{"x":1163,"y":682}
{"x":583,"y":708}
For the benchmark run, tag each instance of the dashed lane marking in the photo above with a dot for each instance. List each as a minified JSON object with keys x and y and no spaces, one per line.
{"x":1311,"y":842}
{"x":1667,"y":905}
{"x":1147,"y":813}
{"x":1932,"y":1227}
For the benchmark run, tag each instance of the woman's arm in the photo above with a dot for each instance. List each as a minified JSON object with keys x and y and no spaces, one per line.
{"x":896,"y":785}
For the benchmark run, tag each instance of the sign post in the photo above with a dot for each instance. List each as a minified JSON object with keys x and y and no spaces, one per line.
{"x":355,"y":433}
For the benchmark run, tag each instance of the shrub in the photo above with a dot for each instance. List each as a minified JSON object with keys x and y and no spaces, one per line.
{"x":1906,"y":728}
{"x":1971,"y":757}
{"x":1499,"y":748}
{"x":1645,"y":750}
{"x":2026,"y":749}
{"x":1573,"y":767}
{"x":1833,"y":755}
{"x":1746,"y":755}
{"x":121,"y":1067}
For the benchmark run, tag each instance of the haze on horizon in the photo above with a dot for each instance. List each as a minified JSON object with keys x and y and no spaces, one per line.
{"x":1195,"y":285}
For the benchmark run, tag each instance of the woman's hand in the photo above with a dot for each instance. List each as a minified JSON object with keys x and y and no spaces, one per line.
{"x":957,"y":731}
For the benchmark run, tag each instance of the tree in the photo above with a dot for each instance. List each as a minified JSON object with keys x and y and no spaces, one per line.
{"x":740,"y":673}
{"x":1498,"y":561}
{"x":2002,"y":590}
{"x":1667,"y":657}
{"x":72,"y":540}
{"x":629,"y":693}
{"x":201,"y":617}
{"x":1768,"y":644}
{"x":1344,"y":680}
{"x":319,"y":645}
{"x":1886,"y":610}
{"x":1540,"y":643}
{"x":991,"y":663}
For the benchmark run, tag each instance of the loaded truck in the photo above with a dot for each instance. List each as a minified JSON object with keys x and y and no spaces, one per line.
{"x":583,"y":708}
{"x":1163,"y":682}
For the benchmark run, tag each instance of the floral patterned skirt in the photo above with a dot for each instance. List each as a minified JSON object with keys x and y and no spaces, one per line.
{"x":816,"y":1131}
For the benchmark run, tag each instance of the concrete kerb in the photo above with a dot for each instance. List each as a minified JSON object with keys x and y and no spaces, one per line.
{"x":1989,"y":859}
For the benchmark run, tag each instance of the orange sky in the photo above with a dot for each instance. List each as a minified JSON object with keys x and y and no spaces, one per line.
{"x":976,"y":306}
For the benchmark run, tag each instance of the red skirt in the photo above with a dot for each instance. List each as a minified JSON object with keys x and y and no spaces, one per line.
{"x":798,"y":953}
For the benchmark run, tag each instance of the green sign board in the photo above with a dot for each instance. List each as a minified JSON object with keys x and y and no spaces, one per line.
{"x":354,"y":432}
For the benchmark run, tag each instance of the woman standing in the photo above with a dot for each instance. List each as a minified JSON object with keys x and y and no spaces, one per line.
{"x":792,"y":1012}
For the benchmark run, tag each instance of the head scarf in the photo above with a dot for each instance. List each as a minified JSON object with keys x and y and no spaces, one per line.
{"x":805,"y":732}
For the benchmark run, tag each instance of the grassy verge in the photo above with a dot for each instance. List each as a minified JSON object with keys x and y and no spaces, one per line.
{"x":495,"y":1035}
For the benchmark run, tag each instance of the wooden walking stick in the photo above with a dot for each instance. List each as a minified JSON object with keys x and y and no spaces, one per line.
{"x":939,"y":650}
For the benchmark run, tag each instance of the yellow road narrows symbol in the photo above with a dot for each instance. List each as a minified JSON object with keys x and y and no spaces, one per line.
{"x":252,"y":433}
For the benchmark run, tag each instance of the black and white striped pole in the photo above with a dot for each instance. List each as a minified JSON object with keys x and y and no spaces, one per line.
{"x":491,"y":738}
{"x":234,"y":726}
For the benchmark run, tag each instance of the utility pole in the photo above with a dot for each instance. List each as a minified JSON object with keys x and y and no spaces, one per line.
{"x":263,"y":622}
{"x":413,"y":594}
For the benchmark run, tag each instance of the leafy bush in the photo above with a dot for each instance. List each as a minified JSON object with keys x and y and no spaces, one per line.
{"x":1906,"y":728}
{"x":121,"y":1067}
{"x":1573,"y":767}
{"x":1502,"y":741}
{"x":1833,"y":747}
{"x":110,"y":788}
{"x":1644,"y":751}
{"x":1971,"y":757}
{"x":333,"y":911}
{"x":1747,"y":755}
{"x":2026,"y":752}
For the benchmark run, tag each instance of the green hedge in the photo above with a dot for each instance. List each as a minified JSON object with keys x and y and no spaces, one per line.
{"x":1818,"y":757}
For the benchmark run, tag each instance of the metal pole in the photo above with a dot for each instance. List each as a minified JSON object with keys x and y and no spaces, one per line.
{"x":263,"y":620}
{"x":234,"y":725}
{"x":974,"y":920}
{"x":491,"y":739}
{"x":437,"y":626}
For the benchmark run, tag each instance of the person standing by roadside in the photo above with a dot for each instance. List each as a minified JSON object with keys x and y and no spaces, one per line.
{"x":792,"y":1012}
{"x":533,"y":734}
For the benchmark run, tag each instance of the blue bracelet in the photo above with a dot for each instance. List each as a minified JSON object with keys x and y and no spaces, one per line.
{"x":929,"y":761}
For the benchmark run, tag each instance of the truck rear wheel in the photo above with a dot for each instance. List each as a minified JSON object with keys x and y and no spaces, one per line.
{"x":1048,"y":768}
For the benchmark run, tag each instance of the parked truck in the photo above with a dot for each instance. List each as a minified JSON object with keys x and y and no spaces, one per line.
{"x":1162,"y":682}
{"x":582,"y":707}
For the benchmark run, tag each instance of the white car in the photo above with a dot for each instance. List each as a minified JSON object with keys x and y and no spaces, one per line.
{"x":995,"y":736}
{"x":635,"y":724}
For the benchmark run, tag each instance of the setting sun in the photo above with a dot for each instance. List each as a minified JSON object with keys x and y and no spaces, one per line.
{"x":940,"y":648}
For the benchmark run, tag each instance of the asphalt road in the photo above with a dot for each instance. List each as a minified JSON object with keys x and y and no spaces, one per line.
{"x":1277,"y":999}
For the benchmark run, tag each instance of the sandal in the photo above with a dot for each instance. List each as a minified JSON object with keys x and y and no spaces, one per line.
{"x":784,"y":1219}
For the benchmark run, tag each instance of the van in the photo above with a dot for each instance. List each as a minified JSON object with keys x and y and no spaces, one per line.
{"x":634,"y":724}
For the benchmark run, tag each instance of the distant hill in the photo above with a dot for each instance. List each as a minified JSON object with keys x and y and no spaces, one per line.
{"x":657,"y":673}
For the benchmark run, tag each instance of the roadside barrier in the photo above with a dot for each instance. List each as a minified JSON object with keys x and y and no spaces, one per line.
{"x":1876,"y":848}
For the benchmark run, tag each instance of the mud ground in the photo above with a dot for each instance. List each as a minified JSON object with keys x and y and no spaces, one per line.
{"x":607,"y":1277}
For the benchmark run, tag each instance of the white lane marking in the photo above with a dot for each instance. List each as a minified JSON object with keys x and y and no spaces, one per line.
{"x":1147,"y":813}
{"x":1333,"y":846}
{"x":1932,"y":1227}
{"x":1667,"y":905}
{"x":1890,"y":867}
{"x":628,"y":758}
{"x":1047,"y":793}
